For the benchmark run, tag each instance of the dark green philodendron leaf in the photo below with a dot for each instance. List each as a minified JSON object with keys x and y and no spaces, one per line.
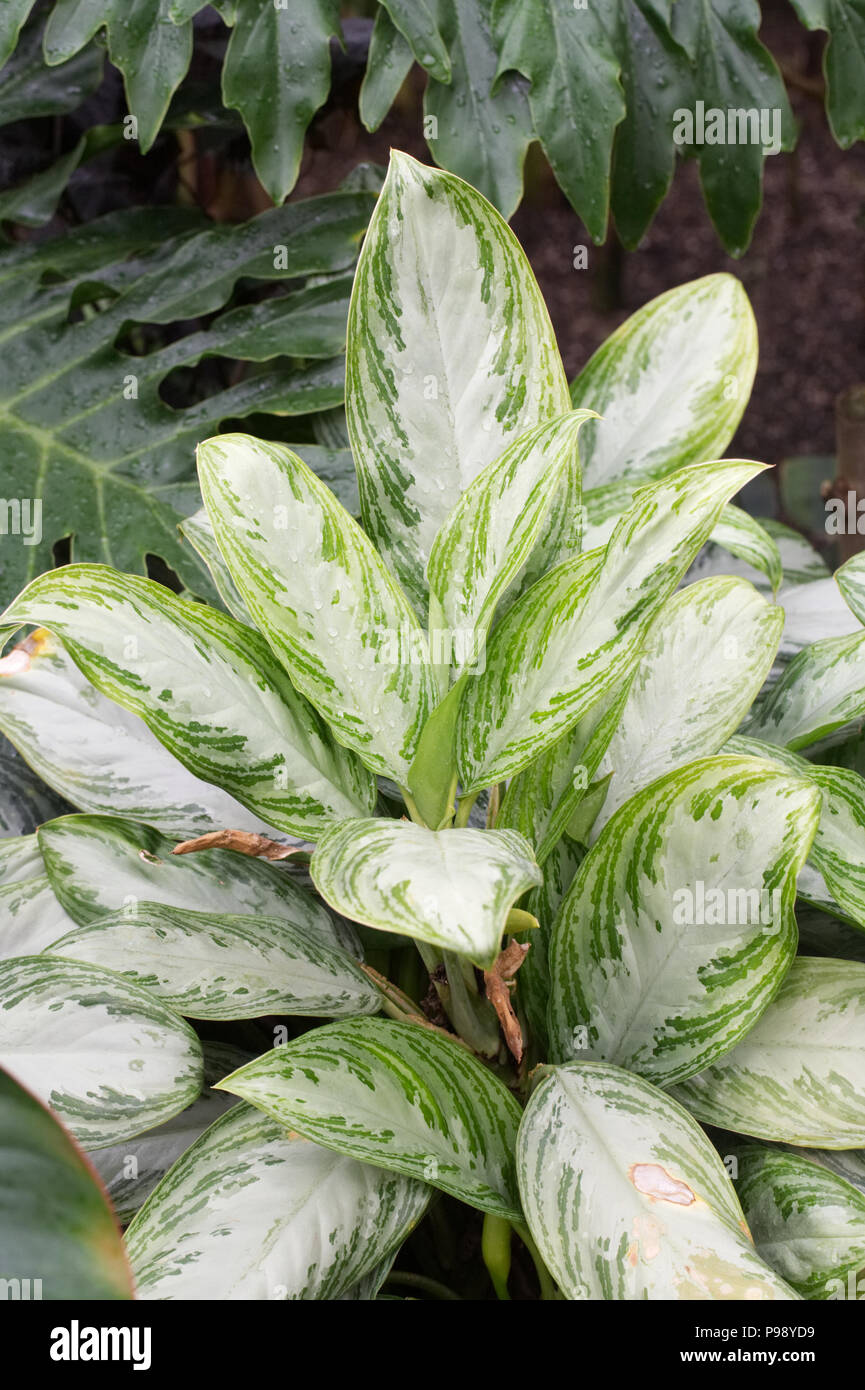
{"x":479,"y":124}
{"x":34,"y":202}
{"x":576,"y":633}
{"x":451,"y":888}
{"x":679,"y":928}
{"x":451,"y":357}
{"x":807,"y":1222}
{"x":799,"y":1075}
{"x":89,"y":448}
{"x":670,"y":385}
{"x":252,"y":1212}
{"x":323,"y":597}
{"x":733,"y":73}
{"x":821,"y":690}
{"x":417,"y":21}
{"x":100,"y":865}
{"x":108,"y":1057}
{"x":277,"y":75}
{"x":207,"y":687}
{"x":843,"y":63}
{"x":97,"y":755}
{"x":12,"y":19}
{"x":726,"y":636}
{"x":399,"y":1095}
{"x":575,"y":97}
{"x":627,"y":1199}
{"x":657,"y":81}
{"x":388,"y":65}
{"x":29,"y":88}
{"x":152,"y":52}
{"x":58,"y":1235}
{"x":205,"y":965}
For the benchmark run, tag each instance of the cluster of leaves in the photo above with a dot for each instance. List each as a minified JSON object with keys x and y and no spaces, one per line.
{"x":563,"y":1047}
{"x":596,"y":85}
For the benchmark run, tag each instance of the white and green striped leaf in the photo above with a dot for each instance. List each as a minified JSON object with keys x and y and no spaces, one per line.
{"x":850,"y":579}
{"x":30,"y":916}
{"x":497,"y":522}
{"x":627,"y":1199}
{"x":807,"y":1222}
{"x":20,"y":858}
{"x":739,"y":533}
{"x":451,"y":357}
{"x":703,"y":664}
{"x":252,"y":1212}
{"x":451,"y":888}
{"x":398,"y":1095}
{"x":97,"y":754}
{"x":326,"y":602}
{"x":813,"y":611}
{"x":799,"y":1075}
{"x":206,"y":965}
{"x":198,"y":530}
{"x":102,"y":864}
{"x":109,"y":1058}
{"x":678,"y":928}
{"x":576,"y":633}
{"x":208,"y":688}
{"x":821,"y":690}
{"x":670,"y":384}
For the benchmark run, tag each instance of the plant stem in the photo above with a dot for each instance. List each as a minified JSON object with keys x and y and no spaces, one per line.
{"x":432,"y":1287}
{"x":412,"y":808}
{"x":465,"y":809}
{"x":496,"y":1250}
{"x":549,"y":1292}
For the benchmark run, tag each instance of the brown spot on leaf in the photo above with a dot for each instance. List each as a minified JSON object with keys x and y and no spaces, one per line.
{"x":655,"y":1182}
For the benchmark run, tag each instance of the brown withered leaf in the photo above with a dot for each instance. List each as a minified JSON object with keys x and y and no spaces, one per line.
{"x":243,"y":841}
{"x":497,"y":982}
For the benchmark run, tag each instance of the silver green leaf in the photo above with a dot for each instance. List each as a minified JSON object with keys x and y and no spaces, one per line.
{"x":822,"y":689}
{"x":627,"y":1199}
{"x":679,"y":928}
{"x":317,"y":589}
{"x":198,"y":530}
{"x":451,"y":888}
{"x":451,"y":356}
{"x":799,"y":1075}
{"x":109,"y":1058}
{"x":399,"y":1095}
{"x":850,"y":579}
{"x":252,"y":1212}
{"x":208,"y":688}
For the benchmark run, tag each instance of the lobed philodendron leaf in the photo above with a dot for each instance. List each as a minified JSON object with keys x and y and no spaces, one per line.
{"x":99,"y":865}
{"x":495,"y":526}
{"x":807,"y":1222}
{"x":399,"y":1095}
{"x":97,"y":754}
{"x":451,"y":357}
{"x":627,"y":1199}
{"x":671,"y":384}
{"x":679,"y":928}
{"x":821,"y":689}
{"x":252,"y":1212}
{"x":576,"y":633}
{"x":208,"y":688}
{"x":725,"y":636}
{"x":799,"y":1075}
{"x":108,"y":1057}
{"x":451,"y":888}
{"x":58,"y":1235}
{"x":320,"y":593}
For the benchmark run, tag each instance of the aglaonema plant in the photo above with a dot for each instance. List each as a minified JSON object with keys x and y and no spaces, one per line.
{"x":519,"y":785}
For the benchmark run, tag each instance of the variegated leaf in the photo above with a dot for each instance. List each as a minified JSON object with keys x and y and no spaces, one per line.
{"x":451,"y":356}
{"x":102,"y":864}
{"x":96,"y":754}
{"x":725,"y":636}
{"x":198,"y":530}
{"x":807,"y":1222}
{"x":493,"y":529}
{"x":740,"y":534}
{"x":222,"y":967}
{"x":799,"y":1075}
{"x":252,"y":1212}
{"x":58,"y":1235}
{"x":533,"y":980}
{"x":813,"y":611}
{"x":31,"y":917}
{"x":821,"y":690}
{"x":20,"y":858}
{"x":399,"y":1095}
{"x":208,"y":688}
{"x":850,"y":579}
{"x":130,"y":1183}
{"x":576,"y":633}
{"x":451,"y":888}
{"x":679,"y":928}
{"x":670,"y":384}
{"x":329,"y":607}
{"x":627,"y":1199}
{"x":109,"y":1058}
